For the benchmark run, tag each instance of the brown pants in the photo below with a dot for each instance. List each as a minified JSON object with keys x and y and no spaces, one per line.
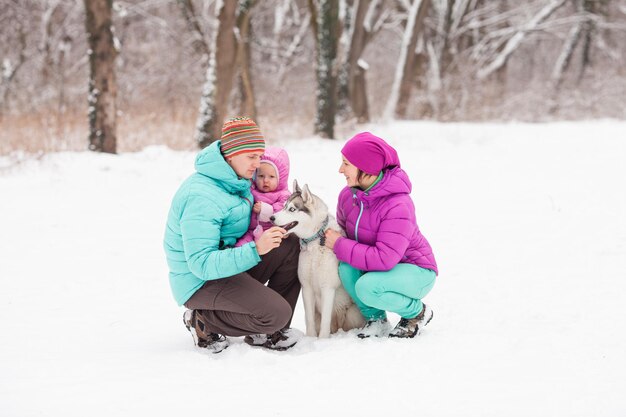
{"x":241,"y":304}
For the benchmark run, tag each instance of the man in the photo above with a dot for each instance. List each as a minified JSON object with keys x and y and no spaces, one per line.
{"x":222,"y":285}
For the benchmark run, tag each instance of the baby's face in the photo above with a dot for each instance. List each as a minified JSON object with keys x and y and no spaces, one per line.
{"x":266,"y":178}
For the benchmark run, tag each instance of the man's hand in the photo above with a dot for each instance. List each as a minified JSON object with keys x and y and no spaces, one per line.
{"x":331,"y":238}
{"x":270,"y":239}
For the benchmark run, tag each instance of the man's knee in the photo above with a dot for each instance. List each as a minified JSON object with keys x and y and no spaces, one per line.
{"x":276,"y":316}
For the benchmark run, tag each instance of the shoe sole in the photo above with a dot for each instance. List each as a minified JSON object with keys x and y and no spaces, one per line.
{"x":270,"y":347}
{"x":214,"y":349}
{"x":384,"y":333}
{"x":367,"y":336}
{"x":250,"y":342}
{"x":277,"y":348}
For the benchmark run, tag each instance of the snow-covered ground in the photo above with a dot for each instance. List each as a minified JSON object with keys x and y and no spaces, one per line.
{"x":528,"y":224}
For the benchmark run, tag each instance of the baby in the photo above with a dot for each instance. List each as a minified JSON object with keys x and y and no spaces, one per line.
{"x":270,"y":192}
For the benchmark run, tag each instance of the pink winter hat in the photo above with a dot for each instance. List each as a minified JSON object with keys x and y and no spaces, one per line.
{"x":370,"y":153}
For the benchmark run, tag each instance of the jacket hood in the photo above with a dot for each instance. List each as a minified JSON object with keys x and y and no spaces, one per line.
{"x":279,"y":159}
{"x":211,"y":163}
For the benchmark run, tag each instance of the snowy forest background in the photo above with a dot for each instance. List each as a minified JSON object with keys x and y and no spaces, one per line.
{"x":179,"y":66}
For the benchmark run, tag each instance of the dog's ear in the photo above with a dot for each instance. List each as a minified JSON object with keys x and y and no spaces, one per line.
{"x":296,"y":187}
{"x":306,"y":193}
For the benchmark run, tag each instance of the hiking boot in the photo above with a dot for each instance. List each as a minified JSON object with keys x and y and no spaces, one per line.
{"x":255,"y":339}
{"x":280,"y":340}
{"x":214,"y":342}
{"x":407,"y":328}
{"x":374,"y":328}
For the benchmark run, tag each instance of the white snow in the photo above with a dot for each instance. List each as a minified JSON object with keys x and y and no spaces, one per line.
{"x":528,"y":223}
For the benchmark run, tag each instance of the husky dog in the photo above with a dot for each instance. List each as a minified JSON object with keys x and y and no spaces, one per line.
{"x":327,"y":305}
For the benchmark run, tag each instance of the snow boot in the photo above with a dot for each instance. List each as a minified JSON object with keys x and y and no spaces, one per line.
{"x":374,"y":328}
{"x":280,"y":340}
{"x":407,"y":328}
{"x":194,"y":322}
{"x":255,"y":339}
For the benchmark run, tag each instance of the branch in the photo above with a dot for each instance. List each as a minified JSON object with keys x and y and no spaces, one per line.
{"x":565,"y":56}
{"x":292,"y":48}
{"x":518,"y":38}
{"x":189,"y":14}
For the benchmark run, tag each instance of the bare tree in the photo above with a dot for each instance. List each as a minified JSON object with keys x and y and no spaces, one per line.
{"x":102,"y":82}
{"x":414,"y":60}
{"x":200,"y":43}
{"x":244,"y":60}
{"x":405,"y":66}
{"x":10,"y":68}
{"x":294,"y":52}
{"x":362,"y":22}
{"x":327,"y":29}
{"x":517,"y":38}
{"x":219,"y":75}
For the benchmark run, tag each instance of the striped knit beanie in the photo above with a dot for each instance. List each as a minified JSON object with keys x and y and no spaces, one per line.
{"x":240,"y":135}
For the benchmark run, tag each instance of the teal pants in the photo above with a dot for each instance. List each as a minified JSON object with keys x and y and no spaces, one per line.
{"x":399,"y":290}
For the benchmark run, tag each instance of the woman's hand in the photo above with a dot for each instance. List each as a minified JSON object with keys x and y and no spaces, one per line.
{"x":270,"y":239}
{"x":331,"y":238}
{"x":257,"y":207}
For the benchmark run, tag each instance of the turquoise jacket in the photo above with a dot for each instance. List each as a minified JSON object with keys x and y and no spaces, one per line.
{"x":209,"y":212}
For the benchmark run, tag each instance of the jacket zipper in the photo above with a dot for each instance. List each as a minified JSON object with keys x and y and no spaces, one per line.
{"x":356,"y":227}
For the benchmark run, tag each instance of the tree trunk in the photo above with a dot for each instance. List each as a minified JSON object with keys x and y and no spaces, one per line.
{"x":219,"y":77}
{"x":405,"y":61}
{"x":411,"y":63}
{"x":248,"y":102}
{"x":327,"y":39}
{"x":47,"y":61}
{"x":364,"y":15}
{"x":102,"y":82}
{"x":9,"y":69}
{"x":63,"y":48}
{"x":343,"y":59}
{"x":424,"y":108}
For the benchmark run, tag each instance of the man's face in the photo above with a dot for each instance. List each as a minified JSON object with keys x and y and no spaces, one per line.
{"x":245,"y":164}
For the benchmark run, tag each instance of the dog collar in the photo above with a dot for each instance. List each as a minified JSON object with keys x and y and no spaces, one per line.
{"x":319,"y":235}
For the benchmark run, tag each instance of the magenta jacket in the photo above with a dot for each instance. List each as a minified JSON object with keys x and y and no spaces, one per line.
{"x":380,"y":226}
{"x":274,"y":200}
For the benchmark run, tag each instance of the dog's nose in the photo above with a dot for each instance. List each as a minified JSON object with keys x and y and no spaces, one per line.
{"x":272,"y":218}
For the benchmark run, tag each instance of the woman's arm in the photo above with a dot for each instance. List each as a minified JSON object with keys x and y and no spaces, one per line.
{"x":392,"y":240}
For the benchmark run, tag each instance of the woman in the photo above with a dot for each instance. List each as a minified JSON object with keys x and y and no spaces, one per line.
{"x":222,"y":285}
{"x":386,"y":264}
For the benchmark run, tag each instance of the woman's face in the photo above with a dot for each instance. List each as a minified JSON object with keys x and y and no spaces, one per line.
{"x":266,"y":178}
{"x":350,"y":172}
{"x":245,"y":164}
